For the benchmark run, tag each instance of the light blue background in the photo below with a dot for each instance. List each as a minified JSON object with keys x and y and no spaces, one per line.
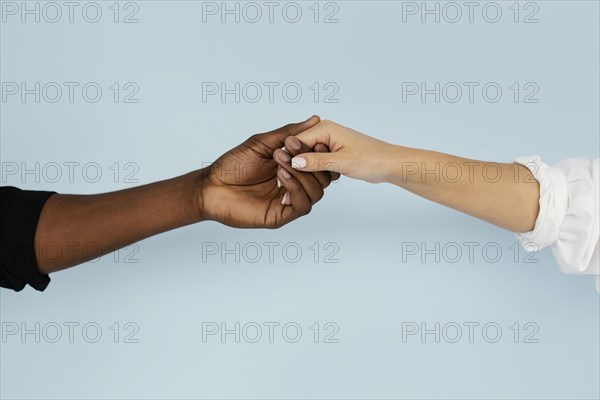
{"x":170,"y":292}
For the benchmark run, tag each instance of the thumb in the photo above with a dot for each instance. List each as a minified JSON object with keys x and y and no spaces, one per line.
{"x":313,"y":162}
{"x":318,"y":133}
{"x":304,"y":125}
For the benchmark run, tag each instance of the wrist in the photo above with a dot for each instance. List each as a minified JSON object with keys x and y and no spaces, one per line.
{"x":397,"y":164}
{"x":199,"y":182}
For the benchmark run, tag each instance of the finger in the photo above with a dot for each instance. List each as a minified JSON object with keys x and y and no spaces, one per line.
{"x":310,"y":184}
{"x":312,"y":162}
{"x":293,"y":147}
{"x":295,"y":129}
{"x":295,"y":201}
{"x":318,"y":133}
{"x":321,"y":148}
{"x":275,"y":139}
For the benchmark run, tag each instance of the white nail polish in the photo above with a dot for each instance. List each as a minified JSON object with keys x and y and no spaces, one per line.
{"x":278,"y":183}
{"x":284,"y":198}
{"x":298,"y":162}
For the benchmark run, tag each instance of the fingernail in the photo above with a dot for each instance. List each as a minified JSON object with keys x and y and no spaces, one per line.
{"x":294,"y":143}
{"x":298,"y":162}
{"x":283,"y":148}
{"x":283,"y":200}
{"x":285,"y":174}
{"x":278,"y":183}
{"x":283,"y":156}
{"x":288,"y":201}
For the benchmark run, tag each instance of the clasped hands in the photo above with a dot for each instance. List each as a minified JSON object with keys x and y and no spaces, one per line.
{"x":255,"y":186}
{"x":275,"y":177}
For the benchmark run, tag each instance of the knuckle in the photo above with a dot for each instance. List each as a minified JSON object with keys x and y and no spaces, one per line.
{"x":275,"y":225}
{"x":316,"y":161}
{"x":254,"y":138}
{"x":325,"y":179}
{"x":307,"y":208}
{"x":328,"y":124}
{"x":319,"y":195}
{"x":288,"y":141}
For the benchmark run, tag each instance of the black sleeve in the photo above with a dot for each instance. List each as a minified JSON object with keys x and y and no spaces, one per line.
{"x":19,"y":214}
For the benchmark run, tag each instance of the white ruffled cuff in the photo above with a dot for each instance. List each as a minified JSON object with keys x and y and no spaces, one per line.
{"x":568,"y":214}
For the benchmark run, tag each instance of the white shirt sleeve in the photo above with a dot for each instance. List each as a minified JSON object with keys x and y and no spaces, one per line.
{"x":568,"y":215}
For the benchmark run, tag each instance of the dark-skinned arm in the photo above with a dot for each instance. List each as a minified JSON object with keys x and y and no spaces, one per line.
{"x":76,"y":228}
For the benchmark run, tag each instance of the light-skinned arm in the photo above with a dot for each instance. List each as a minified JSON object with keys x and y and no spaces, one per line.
{"x":504,"y":194}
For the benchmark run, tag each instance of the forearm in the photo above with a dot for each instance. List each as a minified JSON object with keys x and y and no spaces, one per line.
{"x":504,"y":194}
{"x":76,"y":228}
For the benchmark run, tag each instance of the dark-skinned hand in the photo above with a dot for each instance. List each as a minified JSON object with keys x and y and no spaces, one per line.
{"x":241,"y":188}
